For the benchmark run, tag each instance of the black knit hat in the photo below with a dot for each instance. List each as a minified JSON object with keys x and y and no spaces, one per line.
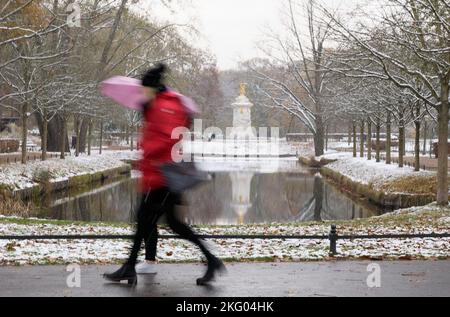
{"x":154,"y":77}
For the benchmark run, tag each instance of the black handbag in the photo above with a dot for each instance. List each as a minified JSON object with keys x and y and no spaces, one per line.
{"x":183,"y":176}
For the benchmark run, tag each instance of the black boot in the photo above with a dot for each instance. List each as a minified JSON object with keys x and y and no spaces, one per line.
{"x":214,"y":266}
{"x":125,"y":273}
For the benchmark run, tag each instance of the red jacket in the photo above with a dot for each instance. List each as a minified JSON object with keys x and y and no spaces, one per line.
{"x":164,"y":113}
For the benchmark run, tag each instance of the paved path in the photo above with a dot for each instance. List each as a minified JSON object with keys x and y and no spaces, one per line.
{"x":341,"y":278}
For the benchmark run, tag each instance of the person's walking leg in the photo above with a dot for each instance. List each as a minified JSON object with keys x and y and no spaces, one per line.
{"x":186,"y":233}
{"x":147,"y":216}
{"x":151,"y":244}
{"x":180,"y":228}
{"x":143,"y":230}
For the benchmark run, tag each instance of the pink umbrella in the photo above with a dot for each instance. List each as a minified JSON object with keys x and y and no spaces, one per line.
{"x":189,"y":104}
{"x":126,"y":91}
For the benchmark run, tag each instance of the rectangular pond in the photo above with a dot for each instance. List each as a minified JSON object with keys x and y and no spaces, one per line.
{"x":240,"y":192}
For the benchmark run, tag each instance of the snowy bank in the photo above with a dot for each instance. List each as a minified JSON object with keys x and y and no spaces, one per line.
{"x":410,"y":221}
{"x":385,"y":185}
{"x":367,"y":172}
{"x":14,"y":177}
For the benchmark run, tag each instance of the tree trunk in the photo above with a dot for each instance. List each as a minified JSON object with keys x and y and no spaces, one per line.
{"x":77,"y":135}
{"x":361,"y":140}
{"x":110,"y":40}
{"x":425,"y":131}
{"x":24,"y":111}
{"x":319,"y":137}
{"x":318,"y":197}
{"x":101,"y":138}
{"x":63,"y":138}
{"x":132,"y":138}
{"x":354,"y":140}
{"x":90,"y":137}
{"x":443,"y":117}
{"x":326,"y":138}
{"x":369,"y":140}
{"x":388,"y":139}
{"x":401,"y":141}
{"x":319,"y":144}
{"x":417,"y":142}
{"x":378,"y":147}
{"x":24,"y":114}
{"x":404,"y":140}
{"x":44,"y":137}
{"x":54,"y":139}
{"x":84,"y":127}
{"x":349,"y":135}
{"x":54,"y":128}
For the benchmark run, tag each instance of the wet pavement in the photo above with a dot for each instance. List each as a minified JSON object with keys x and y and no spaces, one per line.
{"x":340,"y":278}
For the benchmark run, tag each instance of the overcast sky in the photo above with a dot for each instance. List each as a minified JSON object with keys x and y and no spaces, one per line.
{"x":231,"y":29}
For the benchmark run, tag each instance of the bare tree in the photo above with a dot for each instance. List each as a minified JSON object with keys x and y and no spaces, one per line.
{"x":407,"y":44}
{"x":301,"y":91}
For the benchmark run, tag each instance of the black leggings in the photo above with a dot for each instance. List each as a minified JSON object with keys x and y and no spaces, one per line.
{"x":153,"y":206}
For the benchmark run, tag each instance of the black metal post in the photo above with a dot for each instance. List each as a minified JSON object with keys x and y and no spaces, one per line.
{"x":333,"y":240}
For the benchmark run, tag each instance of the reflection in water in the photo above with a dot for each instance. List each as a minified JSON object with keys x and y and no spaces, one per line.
{"x":241,"y":201}
{"x":234,"y":197}
{"x":115,"y":202}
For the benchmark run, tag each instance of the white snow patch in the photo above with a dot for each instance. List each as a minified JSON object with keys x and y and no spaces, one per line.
{"x":363,"y":171}
{"x":18,"y":176}
{"x":107,"y":251}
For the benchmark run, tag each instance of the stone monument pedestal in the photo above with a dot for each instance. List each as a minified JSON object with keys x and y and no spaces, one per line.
{"x":242,"y":118}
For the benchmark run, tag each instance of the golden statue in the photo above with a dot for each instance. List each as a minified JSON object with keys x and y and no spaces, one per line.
{"x":243,"y":89}
{"x":241,"y":220}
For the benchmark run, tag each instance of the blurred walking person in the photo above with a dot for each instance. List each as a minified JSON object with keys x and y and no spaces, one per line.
{"x":165,"y":111}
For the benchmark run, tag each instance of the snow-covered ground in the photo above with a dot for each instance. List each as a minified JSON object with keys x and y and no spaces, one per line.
{"x":18,"y":176}
{"x":340,"y":145}
{"x":366,"y":172}
{"x":121,"y":155}
{"x":409,"y":145}
{"x":415,"y":220}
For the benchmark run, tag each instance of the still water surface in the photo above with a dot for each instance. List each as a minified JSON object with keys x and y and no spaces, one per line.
{"x":251,"y":192}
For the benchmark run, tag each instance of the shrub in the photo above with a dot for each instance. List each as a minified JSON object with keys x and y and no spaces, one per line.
{"x":42,"y":176}
{"x":15,"y":207}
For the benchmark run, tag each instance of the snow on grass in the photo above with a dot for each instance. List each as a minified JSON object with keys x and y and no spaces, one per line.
{"x":18,"y":176}
{"x":340,"y":145}
{"x":363,"y":171}
{"x":427,"y":220}
{"x":418,"y":210}
{"x":121,"y":155}
{"x":392,"y":249}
